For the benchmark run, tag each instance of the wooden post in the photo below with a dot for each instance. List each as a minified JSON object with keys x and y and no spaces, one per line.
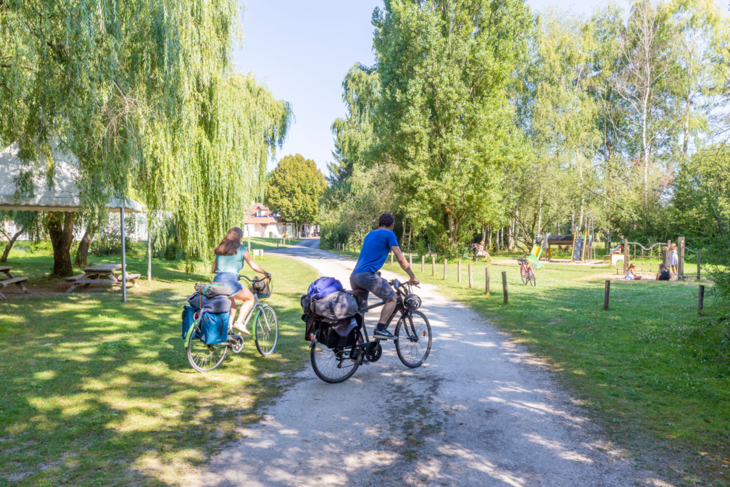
{"x":458,"y":271}
{"x":486,"y":281}
{"x":262,"y":254}
{"x":433,"y":265}
{"x":423,"y":264}
{"x":391,"y":258}
{"x":626,"y":256}
{"x":680,"y":255}
{"x":698,"y":264}
{"x":700,"y":300}
{"x":471,"y":280}
{"x":410,"y":260}
{"x":504,"y":287}
{"x":606,"y":293}
{"x":446,"y":268}
{"x":665,"y":256}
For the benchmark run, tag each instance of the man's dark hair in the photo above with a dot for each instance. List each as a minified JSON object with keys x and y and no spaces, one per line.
{"x":386,"y":220}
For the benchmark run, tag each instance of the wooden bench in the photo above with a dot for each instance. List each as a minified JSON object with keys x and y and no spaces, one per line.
{"x":75,"y":278}
{"x":18,"y":281}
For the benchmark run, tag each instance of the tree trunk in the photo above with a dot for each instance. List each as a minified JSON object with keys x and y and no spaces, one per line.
{"x":61,"y":231}
{"x":9,"y":245}
{"x":82,"y":253}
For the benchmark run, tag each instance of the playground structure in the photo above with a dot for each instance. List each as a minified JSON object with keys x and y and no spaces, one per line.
{"x":662,"y":255}
{"x":583,"y":245}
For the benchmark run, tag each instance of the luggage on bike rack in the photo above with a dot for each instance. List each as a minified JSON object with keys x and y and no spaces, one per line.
{"x":339,"y":335}
{"x":214,"y":328}
{"x":335,"y":307}
{"x":217,"y":304}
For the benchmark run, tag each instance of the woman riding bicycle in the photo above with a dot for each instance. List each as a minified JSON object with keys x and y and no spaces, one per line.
{"x":230,"y":255}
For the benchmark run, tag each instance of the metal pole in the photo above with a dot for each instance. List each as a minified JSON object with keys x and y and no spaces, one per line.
{"x":149,"y":250}
{"x":124,"y":256}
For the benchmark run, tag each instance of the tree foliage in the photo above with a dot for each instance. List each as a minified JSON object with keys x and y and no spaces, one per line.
{"x":142,"y":93}
{"x":294,"y":188}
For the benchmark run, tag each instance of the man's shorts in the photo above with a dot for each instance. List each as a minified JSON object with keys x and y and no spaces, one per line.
{"x":371,"y":282}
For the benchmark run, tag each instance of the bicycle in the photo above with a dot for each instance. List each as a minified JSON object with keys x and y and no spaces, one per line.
{"x":413,"y":342}
{"x":526,"y":272}
{"x":205,"y":358}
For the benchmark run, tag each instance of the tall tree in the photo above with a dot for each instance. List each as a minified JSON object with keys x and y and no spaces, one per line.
{"x":293,"y":189}
{"x":444,"y":118}
{"x":142,"y":93}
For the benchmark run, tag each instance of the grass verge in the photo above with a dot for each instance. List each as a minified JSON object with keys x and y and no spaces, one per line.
{"x":101,"y":393}
{"x":641,"y":368}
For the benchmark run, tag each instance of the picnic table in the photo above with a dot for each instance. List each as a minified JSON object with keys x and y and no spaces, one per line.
{"x":18,"y":281}
{"x":100,"y":274}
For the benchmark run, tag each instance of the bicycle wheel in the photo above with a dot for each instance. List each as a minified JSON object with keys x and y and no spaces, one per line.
{"x":202,"y":357}
{"x":524,"y":275}
{"x":531,"y":276}
{"x":334,"y":365}
{"x":414,"y":339}
{"x":266,"y":331}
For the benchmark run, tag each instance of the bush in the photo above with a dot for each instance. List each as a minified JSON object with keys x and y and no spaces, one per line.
{"x":108,"y":240}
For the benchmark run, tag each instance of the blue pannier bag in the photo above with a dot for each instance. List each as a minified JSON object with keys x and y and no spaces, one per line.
{"x":188,"y":319}
{"x":214,"y":328}
{"x":323,"y":287}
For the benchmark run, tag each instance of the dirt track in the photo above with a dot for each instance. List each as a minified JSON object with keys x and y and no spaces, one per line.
{"x":480,"y":412}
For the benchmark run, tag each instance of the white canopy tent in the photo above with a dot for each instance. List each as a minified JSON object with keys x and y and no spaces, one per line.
{"x":64,"y":197}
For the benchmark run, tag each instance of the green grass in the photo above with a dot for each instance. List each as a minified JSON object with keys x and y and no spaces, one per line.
{"x":269,"y":243}
{"x":100,"y":393}
{"x":641,"y":368}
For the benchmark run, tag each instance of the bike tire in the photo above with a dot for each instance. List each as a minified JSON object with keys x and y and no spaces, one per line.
{"x":411,"y":329}
{"x":201,"y":356}
{"x":267,"y":324}
{"x":524,"y":275}
{"x":322,"y":359}
{"x":531,"y":276}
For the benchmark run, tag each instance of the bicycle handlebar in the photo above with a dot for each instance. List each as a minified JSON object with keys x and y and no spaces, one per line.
{"x":255,"y":279}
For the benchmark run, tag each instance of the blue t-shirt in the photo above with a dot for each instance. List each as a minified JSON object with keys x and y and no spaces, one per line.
{"x":375,"y":249}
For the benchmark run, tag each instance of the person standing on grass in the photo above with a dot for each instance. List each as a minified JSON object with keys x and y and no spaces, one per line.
{"x":230,"y":256}
{"x":673,"y":259}
{"x":375,"y":249}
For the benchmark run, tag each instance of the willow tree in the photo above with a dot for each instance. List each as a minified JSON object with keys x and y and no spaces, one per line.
{"x":444,"y":118}
{"x":142,"y":93}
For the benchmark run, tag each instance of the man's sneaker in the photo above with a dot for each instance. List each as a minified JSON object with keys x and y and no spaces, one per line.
{"x":384,"y":335}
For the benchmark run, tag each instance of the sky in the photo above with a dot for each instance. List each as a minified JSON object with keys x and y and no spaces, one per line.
{"x":302,"y":50}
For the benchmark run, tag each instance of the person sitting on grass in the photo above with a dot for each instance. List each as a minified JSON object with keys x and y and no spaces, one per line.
{"x":631,"y":274}
{"x":663,"y":274}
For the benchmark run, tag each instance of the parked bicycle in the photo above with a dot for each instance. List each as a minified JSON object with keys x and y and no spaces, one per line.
{"x":526,"y":272}
{"x":335,"y":364}
{"x":205,"y":358}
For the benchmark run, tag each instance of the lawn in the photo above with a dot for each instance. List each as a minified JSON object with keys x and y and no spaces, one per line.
{"x":96,"y":392}
{"x":648,"y":370}
{"x":269,"y":243}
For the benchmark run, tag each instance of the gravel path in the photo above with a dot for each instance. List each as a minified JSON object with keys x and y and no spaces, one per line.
{"x":481,"y":411}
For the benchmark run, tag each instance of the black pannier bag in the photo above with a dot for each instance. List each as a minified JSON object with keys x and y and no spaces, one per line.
{"x":341,"y":334}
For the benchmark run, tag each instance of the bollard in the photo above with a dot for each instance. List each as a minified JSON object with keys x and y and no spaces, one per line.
{"x":504,"y":287}
{"x":433,"y":266}
{"x":458,"y":271}
{"x":471,"y":280}
{"x":606,"y":293}
{"x":446,"y":268}
{"x":486,"y":280}
{"x":700,"y":300}
{"x":423,"y":263}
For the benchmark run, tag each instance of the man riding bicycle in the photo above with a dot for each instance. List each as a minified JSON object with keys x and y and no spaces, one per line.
{"x":375,"y":248}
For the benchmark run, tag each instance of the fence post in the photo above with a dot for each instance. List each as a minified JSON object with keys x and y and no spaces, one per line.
{"x":410,"y":260}
{"x":391,"y":258}
{"x":504,"y":287}
{"x":423,"y":264}
{"x":471,"y":280}
{"x":606,"y":294}
{"x":680,"y":263}
{"x":433,"y":265}
{"x":486,"y":278}
{"x":262,"y":254}
{"x":458,"y":271}
{"x":446,"y":268}
{"x":701,"y":300}
{"x":698,"y":264}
